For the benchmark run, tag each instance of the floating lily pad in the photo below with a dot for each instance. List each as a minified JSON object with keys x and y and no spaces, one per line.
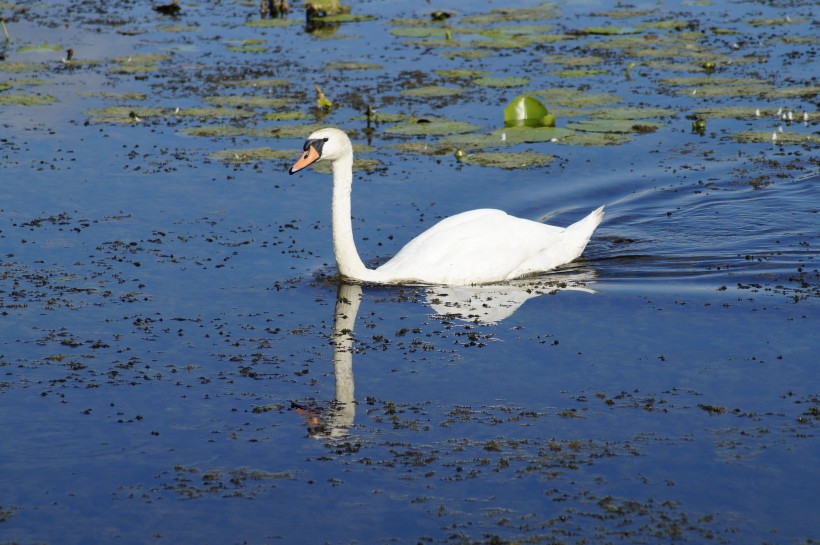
{"x":382,"y":117}
{"x":123,"y":114}
{"x":419,"y":32}
{"x":615,"y":125}
{"x":807,"y":91}
{"x":579,"y":72}
{"x":345,"y":18}
{"x":251,"y":155}
{"x":501,"y":82}
{"x":285,"y":116}
{"x":262,"y":82}
{"x":21,"y":66}
{"x":249,"y":101}
{"x":248,"y":46}
{"x":632,"y":113}
{"x":777,"y":22}
{"x":116,"y":96}
{"x":4,"y":86}
{"x":432,"y":91}
{"x":217,"y":112}
{"x":735,"y":112}
{"x":422,"y":148}
{"x":466,"y":54}
{"x":13,"y":99}
{"x":39,"y":48}
{"x":139,"y":62}
{"x":348,"y":66}
{"x":566,"y":96}
{"x":595,"y":139}
{"x":522,"y":159}
{"x":571,"y":60}
{"x":460,"y":73}
{"x":431,"y":127}
{"x":506,"y":15}
{"x":610,"y":30}
{"x":782,"y":138}
{"x":521,"y":135}
{"x":272,"y":23}
{"x":177,"y":28}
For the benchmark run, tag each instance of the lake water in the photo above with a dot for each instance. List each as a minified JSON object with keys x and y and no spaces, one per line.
{"x":179,"y":362}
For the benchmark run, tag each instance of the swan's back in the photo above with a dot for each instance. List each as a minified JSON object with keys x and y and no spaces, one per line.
{"x":486,"y":245}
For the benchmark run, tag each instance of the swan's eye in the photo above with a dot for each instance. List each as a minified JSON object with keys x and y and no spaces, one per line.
{"x":325,"y":139}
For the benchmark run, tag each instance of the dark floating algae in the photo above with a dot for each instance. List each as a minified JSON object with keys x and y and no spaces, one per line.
{"x":347,"y":66}
{"x":615,"y":125}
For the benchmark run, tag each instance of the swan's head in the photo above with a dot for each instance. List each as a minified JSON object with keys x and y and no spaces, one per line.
{"x":325,"y":144}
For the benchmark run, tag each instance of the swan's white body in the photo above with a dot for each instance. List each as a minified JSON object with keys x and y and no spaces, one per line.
{"x":475,"y":247}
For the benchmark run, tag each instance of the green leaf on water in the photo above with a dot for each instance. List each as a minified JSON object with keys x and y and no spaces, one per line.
{"x":430,"y":91}
{"x":496,"y":159}
{"x":501,"y":82}
{"x":431,"y":127}
{"x":615,"y":125}
{"x":26,"y":100}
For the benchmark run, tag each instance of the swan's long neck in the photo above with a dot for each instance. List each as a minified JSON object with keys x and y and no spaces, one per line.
{"x":344,"y":247}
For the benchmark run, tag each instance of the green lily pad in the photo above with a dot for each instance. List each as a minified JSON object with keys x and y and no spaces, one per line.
{"x":615,"y":125}
{"x":251,"y":155}
{"x":735,"y":112}
{"x":807,"y":91}
{"x":595,"y":139}
{"x":632,"y":113}
{"x":422,"y":148}
{"x":471,"y":54}
{"x":572,"y":60}
{"x":4,"y":87}
{"x":507,"y":15}
{"x":348,"y":66}
{"x":501,"y":82}
{"x":139,"y":62}
{"x":21,"y":66}
{"x":116,"y":96}
{"x":382,"y":117}
{"x":213,"y":113}
{"x":524,"y":159}
{"x":345,"y":18}
{"x":249,"y":101}
{"x":177,"y":28}
{"x":431,"y":127}
{"x":123,"y":114}
{"x":248,"y":46}
{"x":419,"y":32}
{"x":432,"y":91}
{"x":286,"y":116}
{"x":531,"y":135}
{"x":782,"y":138}
{"x":579,"y":72}
{"x":39,"y":48}
{"x":566,"y":96}
{"x":14,"y":99}
{"x":610,"y":30}
{"x":261,"y":82}
{"x":272,"y":23}
{"x":460,"y":73}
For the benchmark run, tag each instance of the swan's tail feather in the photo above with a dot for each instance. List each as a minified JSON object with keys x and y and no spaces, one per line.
{"x":579,"y":233}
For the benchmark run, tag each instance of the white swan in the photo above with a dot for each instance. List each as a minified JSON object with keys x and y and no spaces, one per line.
{"x":475,"y":247}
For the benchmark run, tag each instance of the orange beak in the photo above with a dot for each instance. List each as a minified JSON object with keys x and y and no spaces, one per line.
{"x":310,"y":156}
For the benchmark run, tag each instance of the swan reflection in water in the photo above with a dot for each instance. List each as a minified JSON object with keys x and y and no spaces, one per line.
{"x":477,"y":304}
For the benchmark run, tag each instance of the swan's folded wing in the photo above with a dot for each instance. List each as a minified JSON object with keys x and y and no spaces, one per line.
{"x":478,"y":246}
